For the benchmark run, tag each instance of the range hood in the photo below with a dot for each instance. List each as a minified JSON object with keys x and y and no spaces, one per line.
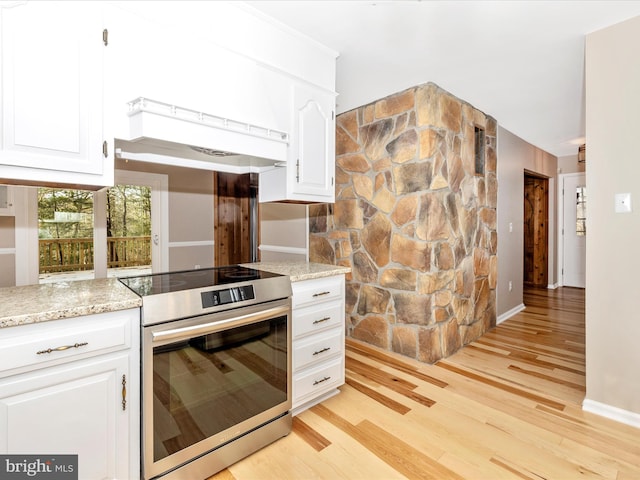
{"x":172,"y":135}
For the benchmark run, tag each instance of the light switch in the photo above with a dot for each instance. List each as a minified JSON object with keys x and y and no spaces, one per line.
{"x":623,"y":202}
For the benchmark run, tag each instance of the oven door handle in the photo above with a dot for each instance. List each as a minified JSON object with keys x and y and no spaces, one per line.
{"x":215,"y":326}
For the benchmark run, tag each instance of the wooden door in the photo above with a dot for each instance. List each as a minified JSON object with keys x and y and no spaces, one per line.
{"x":536,"y":226}
{"x":233,"y":199}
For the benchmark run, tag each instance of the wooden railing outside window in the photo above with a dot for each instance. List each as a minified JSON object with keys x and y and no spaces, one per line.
{"x":74,"y":254}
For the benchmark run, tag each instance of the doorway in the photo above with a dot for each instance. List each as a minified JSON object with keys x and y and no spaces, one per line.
{"x":536,"y":229}
{"x":574,"y":232}
{"x":159,"y":198}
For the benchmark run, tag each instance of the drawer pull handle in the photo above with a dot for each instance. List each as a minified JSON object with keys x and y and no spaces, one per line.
{"x":317,"y":382}
{"x":60,"y":349}
{"x":325,"y":349}
{"x":124,"y":392}
{"x":315,"y":322}
{"x":321,"y":294}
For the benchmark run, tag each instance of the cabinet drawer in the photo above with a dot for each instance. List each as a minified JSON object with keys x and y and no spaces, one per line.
{"x":27,"y":347}
{"x":317,"y":348}
{"x":315,"y":381}
{"x":319,"y":290}
{"x":317,"y":318}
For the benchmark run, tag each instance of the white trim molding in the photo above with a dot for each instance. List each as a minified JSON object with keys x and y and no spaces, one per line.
{"x":281,"y":249}
{"x":197,"y":243}
{"x":614,"y":413}
{"x":510,"y":313}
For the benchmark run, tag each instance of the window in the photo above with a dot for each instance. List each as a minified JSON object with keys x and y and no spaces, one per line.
{"x":479,"y":150}
{"x":128,"y":228}
{"x":65,"y":233}
{"x":581,"y":211}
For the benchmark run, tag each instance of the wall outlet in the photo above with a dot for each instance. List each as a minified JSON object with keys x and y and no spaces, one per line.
{"x":196,"y":267}
{"x":510,"y":285}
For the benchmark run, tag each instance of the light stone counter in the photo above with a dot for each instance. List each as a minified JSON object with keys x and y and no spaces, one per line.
{"x":54,"y":301}
{"x":299,"y":271}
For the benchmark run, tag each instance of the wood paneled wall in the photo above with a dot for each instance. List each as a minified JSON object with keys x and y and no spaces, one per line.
{"x":232,"y":224}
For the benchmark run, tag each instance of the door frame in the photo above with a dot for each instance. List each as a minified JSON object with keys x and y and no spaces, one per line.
{"x":159,"y":185}
{"x":560,"y":234}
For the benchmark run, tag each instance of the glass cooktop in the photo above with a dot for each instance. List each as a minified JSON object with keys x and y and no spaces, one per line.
{"x":158,"y":283}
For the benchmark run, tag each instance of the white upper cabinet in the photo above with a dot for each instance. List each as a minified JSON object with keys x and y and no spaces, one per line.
{"x":215,"y":76}
{"x":52,"y":74}
{"x":313,"y":143}
{"x":310,"y":170}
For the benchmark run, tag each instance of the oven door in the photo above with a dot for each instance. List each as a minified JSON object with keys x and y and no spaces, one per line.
{"x":211,"y":378}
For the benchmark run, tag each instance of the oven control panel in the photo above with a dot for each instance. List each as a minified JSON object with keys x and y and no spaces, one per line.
{"x":227,"y":295}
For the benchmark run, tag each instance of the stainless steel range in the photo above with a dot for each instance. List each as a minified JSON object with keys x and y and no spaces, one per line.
{"x":216,"y":367}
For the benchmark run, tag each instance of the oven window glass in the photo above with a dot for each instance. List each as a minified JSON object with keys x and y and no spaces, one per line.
{"x":208,"y":384}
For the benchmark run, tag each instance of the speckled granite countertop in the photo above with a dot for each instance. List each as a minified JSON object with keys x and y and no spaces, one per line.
{"x":298,"y":271}
{"x":54,"y":301}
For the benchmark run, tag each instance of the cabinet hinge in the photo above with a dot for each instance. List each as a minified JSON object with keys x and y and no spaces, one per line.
{"x":124,"y":392}
{"x":105,"y":149}
{"x":298,"y":170}
{"x":105,"y":37}
{"x":332,"y":181}
{"x":333,"y":115}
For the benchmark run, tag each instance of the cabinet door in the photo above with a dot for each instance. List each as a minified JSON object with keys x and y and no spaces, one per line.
{"x":313,"y":144}
{"x":152,"y":58}
{"x":52,"y":59}
{"x":71,"y":409}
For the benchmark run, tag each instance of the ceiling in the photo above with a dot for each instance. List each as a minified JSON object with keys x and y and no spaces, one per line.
{"x":521,"y":62}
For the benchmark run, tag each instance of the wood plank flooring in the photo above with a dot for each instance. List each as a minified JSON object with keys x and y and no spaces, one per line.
{"x":507,"y":406}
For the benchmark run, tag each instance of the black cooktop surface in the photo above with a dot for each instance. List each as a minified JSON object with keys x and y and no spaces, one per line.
{"x":192,"y":279}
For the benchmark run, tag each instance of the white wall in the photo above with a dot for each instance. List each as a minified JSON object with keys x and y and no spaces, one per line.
{"x":190,"y":213}
{"x":514,"y":157}
{"x":570,"y":164}
{"x":284,"y":232}
{"x":613,"y":299}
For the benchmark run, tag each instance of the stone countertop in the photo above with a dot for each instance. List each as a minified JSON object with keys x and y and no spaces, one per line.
{"x":55,"y":301}
{"x":299,"y":271}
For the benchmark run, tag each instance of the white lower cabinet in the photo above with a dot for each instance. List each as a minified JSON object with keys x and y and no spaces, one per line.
{"x":318,"y":340}
{"x":75,"y":390}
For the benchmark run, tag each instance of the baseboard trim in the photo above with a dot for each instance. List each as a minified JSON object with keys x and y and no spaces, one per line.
{"x":510,"y":313}
{"x":552,"y":286}
{"x":613,"y":413}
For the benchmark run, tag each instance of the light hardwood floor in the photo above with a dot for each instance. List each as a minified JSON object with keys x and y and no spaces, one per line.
{"x":504,"y":407}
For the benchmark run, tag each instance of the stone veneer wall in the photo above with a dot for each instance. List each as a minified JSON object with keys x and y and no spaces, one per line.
{"x":414,"y":222}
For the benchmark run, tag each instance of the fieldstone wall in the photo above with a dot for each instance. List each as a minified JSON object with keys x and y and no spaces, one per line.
{"x":414,"y":221}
